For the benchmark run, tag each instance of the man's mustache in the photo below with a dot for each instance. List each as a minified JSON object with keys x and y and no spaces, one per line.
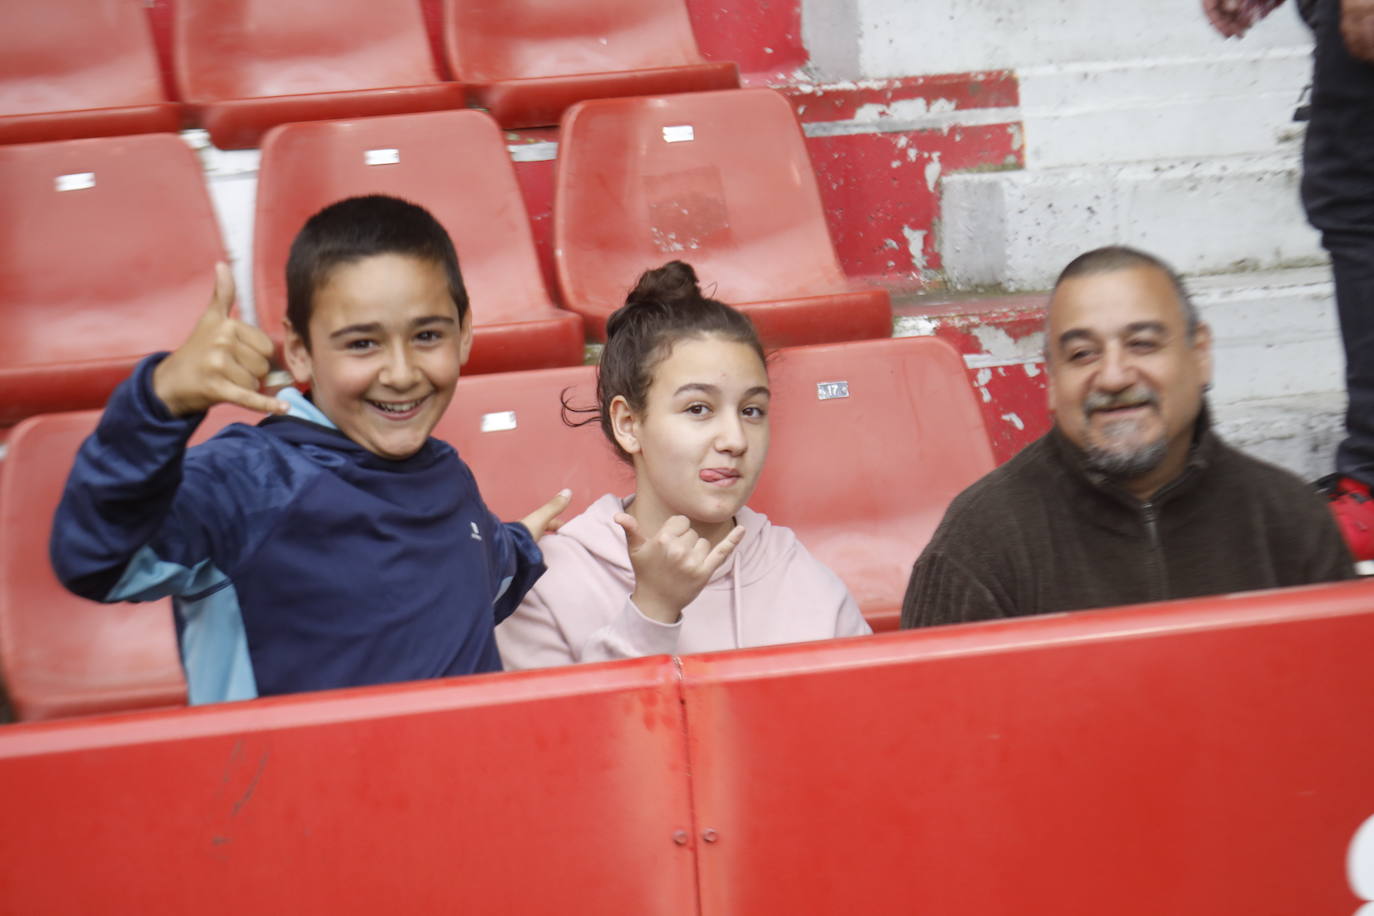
{"x":1135,"y":396}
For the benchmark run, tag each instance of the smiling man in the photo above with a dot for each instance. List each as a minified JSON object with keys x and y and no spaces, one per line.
{"x":1130,"y":497}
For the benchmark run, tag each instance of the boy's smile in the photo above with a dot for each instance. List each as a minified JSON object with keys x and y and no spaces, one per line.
{"x":386,"y":350}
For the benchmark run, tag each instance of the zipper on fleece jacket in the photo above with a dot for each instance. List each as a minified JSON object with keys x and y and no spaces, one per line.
{"x":1154,"y":555}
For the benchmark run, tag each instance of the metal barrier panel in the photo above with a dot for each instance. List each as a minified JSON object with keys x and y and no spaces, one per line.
{"x":1211,"y":756}
{"x":546,"y":791}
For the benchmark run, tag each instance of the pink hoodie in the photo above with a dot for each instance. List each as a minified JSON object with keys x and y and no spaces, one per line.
{"x":770,"y":591}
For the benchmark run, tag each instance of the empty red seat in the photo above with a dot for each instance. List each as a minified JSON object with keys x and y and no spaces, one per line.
{"x":871,"y":441}
{"x":718,"y":179}
{"x":528,"y":60}
{"x":455,"y":163}
{"x":509,"y":429}
{"x":61,"y":655}
{"x":79,"y":68}
{"x":109,"y":248}
{"x":243,"y":66}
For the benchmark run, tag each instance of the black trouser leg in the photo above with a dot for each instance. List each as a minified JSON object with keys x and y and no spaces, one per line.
{"x":1338,"y":194}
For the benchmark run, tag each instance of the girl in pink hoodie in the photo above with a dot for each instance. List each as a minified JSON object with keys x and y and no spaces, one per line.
{"x":682,"y":565}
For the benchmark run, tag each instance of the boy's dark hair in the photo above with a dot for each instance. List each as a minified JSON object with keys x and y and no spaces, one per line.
{"x":1123,"y":257}
{"x":665,"y":307}
{"x":357,"y":228}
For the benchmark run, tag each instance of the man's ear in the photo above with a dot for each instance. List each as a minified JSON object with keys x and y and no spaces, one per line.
{"x":1202,"y":352}
{"x":465,"y":338}
{"x":1051,"y":393}
{"x":625,"y":425}
{"x":297,"y":355}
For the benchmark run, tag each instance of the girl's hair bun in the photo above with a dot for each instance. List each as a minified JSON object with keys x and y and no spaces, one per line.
{"x":672,"y":284}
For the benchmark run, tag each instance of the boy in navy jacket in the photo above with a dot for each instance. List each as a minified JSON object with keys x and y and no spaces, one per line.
{"x":335,"y":543}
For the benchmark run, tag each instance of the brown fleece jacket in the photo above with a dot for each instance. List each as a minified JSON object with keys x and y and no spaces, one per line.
{"x":1043,"y":533}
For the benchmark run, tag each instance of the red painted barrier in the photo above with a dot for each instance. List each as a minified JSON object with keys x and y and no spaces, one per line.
{"x":1208,"y":757}
{"x":540,"y":792}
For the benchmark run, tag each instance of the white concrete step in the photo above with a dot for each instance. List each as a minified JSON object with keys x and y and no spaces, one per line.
{"x":1234,"y":101}
{"x":1298,"y":433}
{"x":1278,"y":388}
{"x":1014,"y":230}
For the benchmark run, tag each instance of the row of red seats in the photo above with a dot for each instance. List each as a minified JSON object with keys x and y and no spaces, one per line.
{"x":1210,"y":756}
{"x":111,"y":242}
{"x":871,"y":440}
{"x":79,"y":68}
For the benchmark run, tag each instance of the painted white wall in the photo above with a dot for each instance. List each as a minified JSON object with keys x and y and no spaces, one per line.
{"x":901,"y":37}
{"x":1100,"y":83}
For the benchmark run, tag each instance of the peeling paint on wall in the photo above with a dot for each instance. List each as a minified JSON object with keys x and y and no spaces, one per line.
{"x":933,"y":171}
{"x":916,"y":245}
{"x":1005,"y":349}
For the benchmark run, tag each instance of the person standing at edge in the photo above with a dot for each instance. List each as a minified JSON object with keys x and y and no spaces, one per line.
{"x":1338,"y":194}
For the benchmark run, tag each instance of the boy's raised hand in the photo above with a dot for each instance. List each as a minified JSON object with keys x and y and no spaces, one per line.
{"x":544,"y":519}
{"x":223,"y":361}
{"x":672,"y":567}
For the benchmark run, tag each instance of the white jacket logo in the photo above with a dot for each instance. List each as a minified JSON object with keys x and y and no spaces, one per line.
{"x":476,"y":535}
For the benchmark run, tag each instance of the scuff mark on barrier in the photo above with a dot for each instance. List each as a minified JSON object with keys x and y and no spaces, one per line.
{"x":1014,"y":420}
{"x":252,"y":784}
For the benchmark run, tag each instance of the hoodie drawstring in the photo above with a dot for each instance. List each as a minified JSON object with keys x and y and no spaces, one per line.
{"x":735,"y":600}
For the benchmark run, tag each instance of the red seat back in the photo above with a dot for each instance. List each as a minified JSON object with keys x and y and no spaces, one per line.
{"x":528,"y":39}
{"x":1198,"y":757}
{"x":110,"y":247}
{"x":871,"y":441}
{"x":241,"y":49}
{"x":509,"y":429}
{"x":61,"y":655}
{"x":246,"y":65}
{"x":526,"y":61}
{"x":719,"y":179}
{"x":455,"y":164}
{"x":79,"y":68}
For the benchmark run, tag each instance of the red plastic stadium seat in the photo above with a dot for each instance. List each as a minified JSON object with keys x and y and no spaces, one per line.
{"x":109,"y":249}
{"x":61,"y":655}
{"x":509,"y":429}
{"x":871,"y":441}
{"x":528,"y":60}
{"x":246,"y":65}
{"x":79,"y":68}
{"x":718,"y":179}
{"x":454,"y":163}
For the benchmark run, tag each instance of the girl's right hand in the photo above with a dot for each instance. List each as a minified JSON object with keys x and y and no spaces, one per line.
{"x":223,"y":361}
{"x":672,"y":567}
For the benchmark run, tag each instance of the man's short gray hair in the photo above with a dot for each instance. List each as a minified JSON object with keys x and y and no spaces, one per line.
{"x":1122,"y":257}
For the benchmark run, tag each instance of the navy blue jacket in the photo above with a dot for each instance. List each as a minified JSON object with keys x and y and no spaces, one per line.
{"x":297,"y":559}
